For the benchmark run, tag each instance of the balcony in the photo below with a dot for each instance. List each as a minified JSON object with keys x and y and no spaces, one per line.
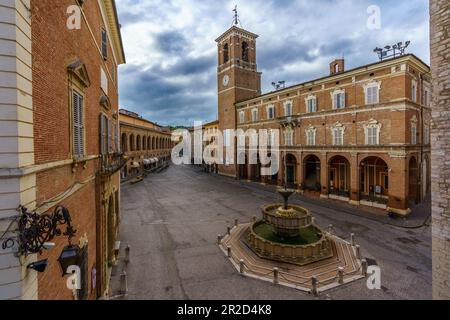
{"x":291,"y":121}
{"x":111,"y":163}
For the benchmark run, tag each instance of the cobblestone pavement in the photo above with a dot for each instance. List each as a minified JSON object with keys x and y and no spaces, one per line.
{"x":171,"y":221}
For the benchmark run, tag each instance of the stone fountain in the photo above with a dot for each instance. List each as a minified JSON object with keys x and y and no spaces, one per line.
{"x":288,"y":233}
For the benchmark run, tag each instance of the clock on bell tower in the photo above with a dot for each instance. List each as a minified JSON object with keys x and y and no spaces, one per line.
{"x":238,"y":78}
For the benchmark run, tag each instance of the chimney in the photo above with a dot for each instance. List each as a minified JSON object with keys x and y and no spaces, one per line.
{"x":337,"y":66}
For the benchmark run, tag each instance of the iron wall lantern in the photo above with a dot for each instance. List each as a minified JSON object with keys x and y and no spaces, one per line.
{"x":69,"y":257}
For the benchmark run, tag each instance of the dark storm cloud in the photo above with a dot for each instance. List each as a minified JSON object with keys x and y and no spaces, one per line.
{"x":171,"y":42}
{"x":172,"y":57}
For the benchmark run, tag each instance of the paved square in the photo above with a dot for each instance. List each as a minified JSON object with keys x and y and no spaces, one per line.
{"x":171,"y":221}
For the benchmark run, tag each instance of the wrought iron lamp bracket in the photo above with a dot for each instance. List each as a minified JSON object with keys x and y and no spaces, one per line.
{"x":35,"y":230}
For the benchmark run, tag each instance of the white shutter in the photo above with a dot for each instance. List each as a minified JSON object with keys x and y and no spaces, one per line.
{"x":109,"y":135}
{"x":78,"y":126}
{"x":116,"y":139}
{"x":342,"y":97}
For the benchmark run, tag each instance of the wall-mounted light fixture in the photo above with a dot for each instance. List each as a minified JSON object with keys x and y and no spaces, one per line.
{"x":38,"y":266}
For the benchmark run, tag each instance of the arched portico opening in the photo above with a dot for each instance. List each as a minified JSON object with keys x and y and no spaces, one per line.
{"x":243,"y":172}
{"x":124,"y":141}
{"x":374,"y":180}
{"x":413,"y":174}
{"x":339,"y":176}
{"x":312,"y":173}
{"x":291,"y":168}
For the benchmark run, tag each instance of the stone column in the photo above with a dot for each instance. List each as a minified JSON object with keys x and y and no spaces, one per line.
{"x":299,"y":170}
{"x":440,"y":61}
{"x":398,"y":185}
{"x":17,"y":187}
{"x":355,"y":176}
{"x":324,"y":175}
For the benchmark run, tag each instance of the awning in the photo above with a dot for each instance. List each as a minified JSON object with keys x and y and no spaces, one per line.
{"x":147,"y":161}
{"x":135,"y":165}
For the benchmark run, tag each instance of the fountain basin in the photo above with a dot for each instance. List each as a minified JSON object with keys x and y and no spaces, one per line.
{"x":287,"y":223}
{"x":281,"y":250}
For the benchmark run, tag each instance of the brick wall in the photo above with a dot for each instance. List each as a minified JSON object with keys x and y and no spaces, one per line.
{"x":440,"y":62}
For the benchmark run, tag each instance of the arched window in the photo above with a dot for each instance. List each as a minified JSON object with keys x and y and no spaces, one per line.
{"x":336,"y":68}
{"x":149,"y":143}
{"x":144,"y":143}
{"x":226,"y":54}
{"x":138,"y":143}
{"x":245,"y":51}
{"x":132,"y":143}
{"x":124,"y":143}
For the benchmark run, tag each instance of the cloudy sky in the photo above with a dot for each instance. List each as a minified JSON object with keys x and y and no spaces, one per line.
{"x":170,"y":75}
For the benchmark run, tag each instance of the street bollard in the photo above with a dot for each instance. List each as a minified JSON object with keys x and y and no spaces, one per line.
{"x":364,"y":267}
{"x":241,"y":266}
{"x":229,"y":252}
{"x":123,"y":283}
{"x":358,"y":251}
{"x":275,"y":275}
{"x":352,"y":239}
{"x":236,"y":222}
{"x":127,"y":254}
{"x":254,"y":219}
{"x":314,"y":286}
{"x":313,"y":220}
{"x":219,"y":239}
{"x":341,"y":275}
{"x":229,"y":230}
{"x":330,"y":228}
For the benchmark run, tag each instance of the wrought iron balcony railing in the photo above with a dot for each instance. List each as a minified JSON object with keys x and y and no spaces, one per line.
{"x":111,"y":163}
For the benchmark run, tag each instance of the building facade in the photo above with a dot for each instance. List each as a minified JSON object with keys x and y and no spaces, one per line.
{"x":146,"y":145}
{"x":440,"y":62}
{"x":360,"y":136}
{"x":59,"y":140}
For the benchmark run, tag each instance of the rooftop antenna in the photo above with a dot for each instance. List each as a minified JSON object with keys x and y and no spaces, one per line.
{"x":279,"y":85}
{"x":236,"y":20}
{"x":393,"y":51}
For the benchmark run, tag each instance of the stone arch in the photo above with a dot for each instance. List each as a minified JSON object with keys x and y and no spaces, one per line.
{"x":312,"y":168}
{"x":132,"y":143}
{"x":245,"y":51}
{"x":374,"y":180}
{"x":124,"y":142}
{"x":413,"y":179}
{"x":291,"y":170}
{"x":339,"y":175}
{"x":138,"y":143}
{"x":144,"y":143}
{"x":226,"y":53}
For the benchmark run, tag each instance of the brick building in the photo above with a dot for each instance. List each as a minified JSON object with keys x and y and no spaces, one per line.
{"x":440,"y":66}
{"x":359,"y":135}
{"x":59,"y":142}
{"x":145,"y":144}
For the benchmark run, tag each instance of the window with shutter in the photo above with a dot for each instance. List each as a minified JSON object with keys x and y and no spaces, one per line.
{"x":116,"y":139}
{"x":78,"y":125}
{"x":104,"y":44}
{"x":109,"y":142}
{"x":103,"y":125}
{"x":372,"y":94}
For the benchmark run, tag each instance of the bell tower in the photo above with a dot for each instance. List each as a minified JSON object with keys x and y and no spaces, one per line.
{"x":238,"y":77}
